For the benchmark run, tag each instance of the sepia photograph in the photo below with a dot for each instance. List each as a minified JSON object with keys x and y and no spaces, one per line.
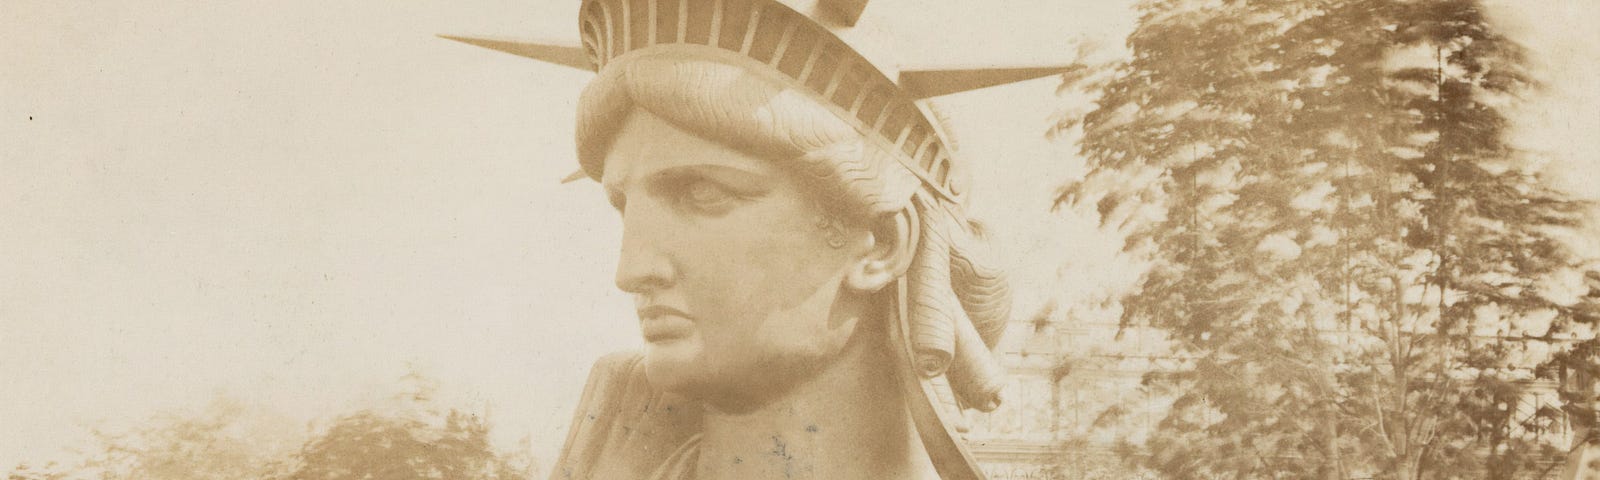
{"x":800,"y":239}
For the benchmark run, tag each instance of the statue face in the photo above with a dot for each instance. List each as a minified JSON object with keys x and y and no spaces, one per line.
{"x":738,"y":290}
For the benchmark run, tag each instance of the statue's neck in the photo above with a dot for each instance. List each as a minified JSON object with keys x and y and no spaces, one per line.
{"x":850,"y":421}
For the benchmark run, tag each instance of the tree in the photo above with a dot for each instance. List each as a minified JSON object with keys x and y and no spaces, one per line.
{"x":409,"y":440}
{"x":371,"y":445}
{"x":1363,"y":275}
{"x":228,"y":439}
{"x":406,"y":438}
{"x":50,"y":471}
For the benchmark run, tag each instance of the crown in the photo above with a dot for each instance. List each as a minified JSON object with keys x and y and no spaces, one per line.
{"x":797,"y":42}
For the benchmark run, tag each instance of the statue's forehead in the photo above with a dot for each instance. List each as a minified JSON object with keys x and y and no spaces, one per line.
{"x":647,"y":143}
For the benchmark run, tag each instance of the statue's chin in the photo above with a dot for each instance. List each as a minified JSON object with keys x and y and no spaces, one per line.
{"x":684,"y":368}
{"x":674,"y":365}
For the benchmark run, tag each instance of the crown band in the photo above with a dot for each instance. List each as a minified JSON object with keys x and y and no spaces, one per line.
{"x":771,"y":37}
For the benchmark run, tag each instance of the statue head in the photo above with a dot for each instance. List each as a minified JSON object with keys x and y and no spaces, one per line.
{"x":781,"y":201}
{"x":782,"y":188}
{"x":765,"y":227}
{"x":752,"y":262}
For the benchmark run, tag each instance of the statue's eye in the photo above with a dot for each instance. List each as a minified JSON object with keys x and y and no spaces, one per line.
{"x":706,"y":195}
{"x":710,"y":191}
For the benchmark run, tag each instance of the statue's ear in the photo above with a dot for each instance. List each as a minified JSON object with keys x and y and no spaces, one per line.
{"x":888,"y":254}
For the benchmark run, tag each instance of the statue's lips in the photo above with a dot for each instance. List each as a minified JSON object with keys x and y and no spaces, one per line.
{"x":661,"y":324}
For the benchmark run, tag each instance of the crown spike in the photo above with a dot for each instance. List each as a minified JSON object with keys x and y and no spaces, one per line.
{"x":575,"y":176}
{"x":557,"y":53}
{"x":927,"y":83}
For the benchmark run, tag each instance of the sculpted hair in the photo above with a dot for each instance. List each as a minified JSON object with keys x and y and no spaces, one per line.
{"x":959,"y":303}
{"x":731,"y":105}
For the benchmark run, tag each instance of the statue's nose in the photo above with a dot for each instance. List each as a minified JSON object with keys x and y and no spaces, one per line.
{"x":643,"y":265}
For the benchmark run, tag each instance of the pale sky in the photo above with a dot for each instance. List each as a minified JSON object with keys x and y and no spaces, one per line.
{"x":292,"y":201}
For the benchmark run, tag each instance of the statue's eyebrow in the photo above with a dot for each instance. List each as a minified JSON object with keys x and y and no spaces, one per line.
{"x":740,"y":180}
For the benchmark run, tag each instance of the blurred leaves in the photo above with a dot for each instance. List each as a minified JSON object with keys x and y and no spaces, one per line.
{"x":369,"y":444}
{"x":406,"y":438}
{"x":1365,"y":274}
{"x":228,"y":439}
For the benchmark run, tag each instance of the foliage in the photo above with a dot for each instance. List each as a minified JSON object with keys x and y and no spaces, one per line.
{"x":410,"y":439}
{"x":49,"y":471}
{"x":226,"y":440}
{"x":1362,"y":272}
{"x":404,"y":439}
{"x":371,"y":445}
